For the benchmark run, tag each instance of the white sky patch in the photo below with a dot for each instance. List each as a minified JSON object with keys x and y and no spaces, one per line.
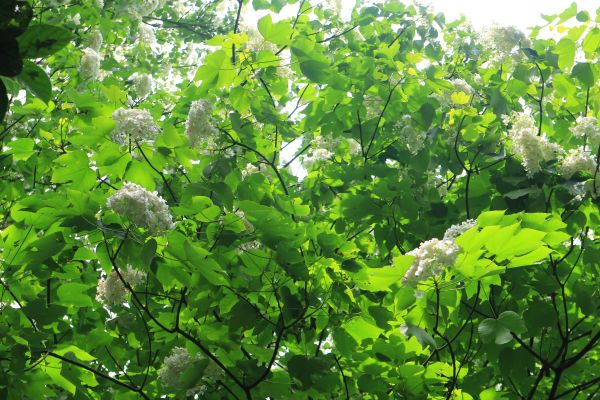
{"x":522,"y":14}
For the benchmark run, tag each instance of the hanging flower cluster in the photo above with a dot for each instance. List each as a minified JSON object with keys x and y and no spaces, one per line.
{"x":505,"y":41}
{"x":143,"y":85}
{"x":199,"y":129}
{"x":413,"y":138}
{"x":146,"y":36}
{"x":140,"y":8}
{"x":458,"y":229}
{"x":250,"y":169}
{"x":175,"y":365}
{"x":577,"y":160}
{"x":322,"y":148}
{"x":112,"y":291}
{"x":588,"y":129}
{"x":95,"y":40}
{"x":90,"y":65}
{"x":527,"y":145}
{"x":178,"y":362}
{"x":133,"y":125}
{"x":434,"y":255}
{"x":460,"y":85}
{"x":142,"y":208}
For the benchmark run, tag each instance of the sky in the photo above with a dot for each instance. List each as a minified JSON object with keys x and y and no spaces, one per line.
{"x":519,"y":13}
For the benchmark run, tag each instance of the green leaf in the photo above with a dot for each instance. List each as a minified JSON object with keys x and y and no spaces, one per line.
{"x":565,"y":50}
{"x":499,"y":330}
{"x":360,"y":329}
{"x":569,"y":13}
{"x":35,"y":80}
{"x":21,"y":149}
{"x":72,"y":293}
{"x":278,"y":33}
{"x":584,"y":73}
{"x":42,"y":40}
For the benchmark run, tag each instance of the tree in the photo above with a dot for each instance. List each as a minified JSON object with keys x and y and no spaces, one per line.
{"x":156,"y":243}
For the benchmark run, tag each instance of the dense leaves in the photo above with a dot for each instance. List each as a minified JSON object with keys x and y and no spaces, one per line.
{"x":430,"y":234}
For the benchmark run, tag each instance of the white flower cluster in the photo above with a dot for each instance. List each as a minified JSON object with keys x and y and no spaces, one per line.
{"x":250,"y":169}
{"x":413,"y":138}
{"x":146,"y":36}
{"x":577,"y":160}
{"x":89,"y":68}
{"x":460,"y":85}
{"x":95,"y":40}
{"x":112,"y":291}
{"x":505,"y":41}
{"x":433,"y":255}
{"x":133,"y":125}
{"x":458,"y":229}
{"x":178,"y":362}
{"x":143,"y":85}
{"x":140,"y":8}
{"x":248,"y":246}
{"x":322,"y":148}
{"x":143,"y":208}
{"x":436,"y":180}
{"x":587,"y":127}
{"x":198,"y":128}
{"x":316,"y":155}
{"x":527,"y":145}
{"x":430,"y":259}
{"x":175,"y":365}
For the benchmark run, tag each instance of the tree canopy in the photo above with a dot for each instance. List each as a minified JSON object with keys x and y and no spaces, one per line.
{"x":431,"y":234}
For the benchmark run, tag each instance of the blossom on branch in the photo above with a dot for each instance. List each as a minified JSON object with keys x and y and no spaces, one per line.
{"x":142,"y":208}
{"x":112,"y":291}
{"x":133,"y":125}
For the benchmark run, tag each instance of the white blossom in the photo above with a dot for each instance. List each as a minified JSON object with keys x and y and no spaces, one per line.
{"x":434,"y":255}
{"x":90,"y":64}
{"x":146,"y":36}
{"x":353,"y":147}
{"x":588,"y":128}
{"x":112,"y":291}
{"x":527,"y":145}
{"x":175,"y":365}
{"x":431,"y":257}
{"x":248,"y":246}
{"x":133,"y":125}
{"x":140,"y":8}
{"x":460,"y":85}
{"x":143,"y":84}
{"x":249,"y":170}
{"x":199,"y":128}
{"x":458,"y":229}
{"x":178,"y":362}
{"x":436,"y":180}
{"x":316,"y":155}
{"x":505,"y":41}
{"x":95,"y":40}
{"x":142,"y":208}
{"x":577,"y":160}
{"x":413,"y":138}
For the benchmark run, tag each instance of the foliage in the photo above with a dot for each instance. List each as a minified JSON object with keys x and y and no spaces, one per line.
{"x":267,"y":284}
